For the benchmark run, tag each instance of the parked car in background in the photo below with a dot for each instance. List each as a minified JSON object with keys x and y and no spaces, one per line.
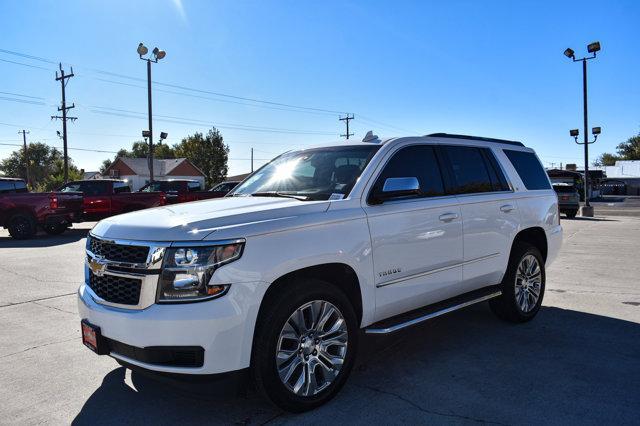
{"x":225,"y":187}
{"x":179,"y":190}
{"x":568,"y":199}
{"x":108,"y":197}
{"x":22,"y":212}
{"x":276,"y":280}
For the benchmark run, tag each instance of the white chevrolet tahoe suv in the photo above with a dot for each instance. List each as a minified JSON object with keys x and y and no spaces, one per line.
{"x":278,"y":280}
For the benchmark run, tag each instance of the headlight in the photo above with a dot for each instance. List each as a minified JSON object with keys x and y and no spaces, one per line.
{"x":186,"y":272}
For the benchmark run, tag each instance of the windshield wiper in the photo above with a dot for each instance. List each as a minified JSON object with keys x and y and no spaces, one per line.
{"x":279,"y":194}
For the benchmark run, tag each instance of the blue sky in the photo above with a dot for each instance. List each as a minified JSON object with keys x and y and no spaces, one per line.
{"x":486,"y":68}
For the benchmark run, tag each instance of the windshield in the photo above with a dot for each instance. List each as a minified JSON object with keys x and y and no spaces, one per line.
{"x":312,"y":174}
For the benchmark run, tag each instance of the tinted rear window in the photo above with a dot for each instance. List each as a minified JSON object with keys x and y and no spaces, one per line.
{"x":529,"y":169}
{"x":565,"y":189}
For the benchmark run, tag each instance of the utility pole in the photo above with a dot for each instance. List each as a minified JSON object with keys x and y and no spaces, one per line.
{"x":251,"y":160}
{"x":346,"y":119}
{"x":64,"y":108}
{"x":26,"y":156}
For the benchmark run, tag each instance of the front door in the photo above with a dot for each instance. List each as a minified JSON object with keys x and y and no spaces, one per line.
{"x":417,"y":239}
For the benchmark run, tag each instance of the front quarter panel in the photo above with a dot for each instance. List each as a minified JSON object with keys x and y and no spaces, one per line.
{"x":342,"y":237}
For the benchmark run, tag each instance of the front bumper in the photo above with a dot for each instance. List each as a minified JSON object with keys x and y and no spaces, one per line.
{"x":223,"y":327}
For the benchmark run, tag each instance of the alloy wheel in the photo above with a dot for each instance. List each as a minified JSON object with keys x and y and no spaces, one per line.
{"x":528,"y":283}
{"x":311,"y":348}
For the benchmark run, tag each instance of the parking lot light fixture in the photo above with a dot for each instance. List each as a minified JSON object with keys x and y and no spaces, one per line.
{"x":157,"y":55}
{"x":592,"y":48}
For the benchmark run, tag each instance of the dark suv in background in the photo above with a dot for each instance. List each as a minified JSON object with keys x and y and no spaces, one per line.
{"x":568,"y":199}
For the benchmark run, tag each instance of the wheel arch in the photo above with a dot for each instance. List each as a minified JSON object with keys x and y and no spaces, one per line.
{"x":6,"y":216}
{"x":341,"y":275}
{"x":534,"y":236}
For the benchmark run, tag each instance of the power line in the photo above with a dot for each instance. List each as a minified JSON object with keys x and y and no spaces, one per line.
{"x":253,"y":101}
{"x":115,"y":152}
{"x":176,"y":86}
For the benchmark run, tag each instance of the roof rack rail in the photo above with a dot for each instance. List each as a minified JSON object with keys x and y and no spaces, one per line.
{"x":475,"y":138}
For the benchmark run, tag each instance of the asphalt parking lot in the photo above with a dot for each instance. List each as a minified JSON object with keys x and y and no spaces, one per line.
{"x":577,"y":362}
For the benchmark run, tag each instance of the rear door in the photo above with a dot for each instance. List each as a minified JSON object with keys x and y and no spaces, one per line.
{"x":416,"y":240}
{"x":490,"y":217}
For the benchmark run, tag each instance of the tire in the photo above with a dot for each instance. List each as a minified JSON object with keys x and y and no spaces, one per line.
{"x":277,"y":337}
{"x":518,"y":302}
{"x":572,"y":214}
{"x":55,"y":229}
{"x":21,"y":226}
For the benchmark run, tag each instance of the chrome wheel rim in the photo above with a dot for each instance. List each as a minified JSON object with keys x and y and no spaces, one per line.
{"x":311,"y":348}
{"x":528,"y":283}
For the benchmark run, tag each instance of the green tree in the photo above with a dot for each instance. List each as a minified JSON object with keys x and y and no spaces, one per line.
{"x":208,"y":152}
{"x":42,"y":163}
{"x":55,"y":179}
{"x":630,"y":150}
{"x":606,"y":159}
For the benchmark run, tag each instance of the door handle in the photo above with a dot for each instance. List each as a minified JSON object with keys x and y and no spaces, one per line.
{"x":448,"y":217}
{"x":507,"y":208}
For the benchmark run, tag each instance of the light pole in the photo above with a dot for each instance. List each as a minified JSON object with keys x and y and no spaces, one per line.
{"x":157,"y":55}
{"x":592,"y":48}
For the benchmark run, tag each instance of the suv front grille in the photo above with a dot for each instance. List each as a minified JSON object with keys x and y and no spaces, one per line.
{"x":118,"y":252}
{"x":114,"y":289}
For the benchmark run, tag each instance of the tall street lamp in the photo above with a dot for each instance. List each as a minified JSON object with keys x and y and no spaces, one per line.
{"x":157,"y":55}
{"x":593,"y":48}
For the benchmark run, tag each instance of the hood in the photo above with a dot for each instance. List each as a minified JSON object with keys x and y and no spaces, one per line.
{"x":219,"y":218}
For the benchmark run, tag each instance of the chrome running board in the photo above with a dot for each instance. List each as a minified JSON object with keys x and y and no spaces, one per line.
{"x":388,"y":326}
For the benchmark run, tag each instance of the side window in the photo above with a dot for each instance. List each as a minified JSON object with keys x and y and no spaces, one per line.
{"x":6,"y":186}
{"x":414,"y":161}
{"x":498,"y":180}
{"x":21,"y":186}
{"x":529,"y":169}
{"x":193,"y":186}
{"x":469,"y":170}
{"x":120,"y":187}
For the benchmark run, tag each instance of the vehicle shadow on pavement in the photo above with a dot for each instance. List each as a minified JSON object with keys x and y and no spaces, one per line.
{"x":563,"y":367}
{"x":45,"y":240}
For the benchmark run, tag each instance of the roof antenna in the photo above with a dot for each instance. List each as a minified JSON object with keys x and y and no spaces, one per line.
{"x":370,"y":137}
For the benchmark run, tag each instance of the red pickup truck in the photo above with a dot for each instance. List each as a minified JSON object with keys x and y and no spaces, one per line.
{"x":181,"y":190}
{"x":108,"y":197}
{"x":22,"y":212}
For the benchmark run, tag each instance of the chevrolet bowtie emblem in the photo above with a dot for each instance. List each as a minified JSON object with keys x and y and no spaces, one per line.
{"x":97,"y":267}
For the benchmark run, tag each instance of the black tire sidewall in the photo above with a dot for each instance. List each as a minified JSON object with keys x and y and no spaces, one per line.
{"x":521,"y":250}
{"x":270,"y":325}
{"x":15,"y":233}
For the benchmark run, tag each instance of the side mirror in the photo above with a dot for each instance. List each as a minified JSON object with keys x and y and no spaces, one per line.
{"x":397,"y":187}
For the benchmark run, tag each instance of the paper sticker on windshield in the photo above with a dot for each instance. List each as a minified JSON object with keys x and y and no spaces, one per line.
{"x":335,"y":196}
